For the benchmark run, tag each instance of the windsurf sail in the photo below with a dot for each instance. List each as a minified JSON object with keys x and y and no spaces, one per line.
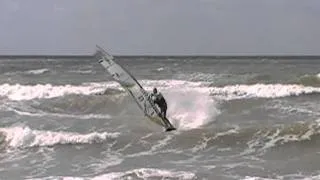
{"x":132,"y":86}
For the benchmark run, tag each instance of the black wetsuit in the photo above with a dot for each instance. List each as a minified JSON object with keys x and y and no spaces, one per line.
{"x":161,"y":102}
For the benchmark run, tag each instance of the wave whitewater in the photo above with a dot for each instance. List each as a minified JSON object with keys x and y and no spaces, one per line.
{"x":262,"y":91}
{"x":37,"y":71}
{"x":310,"y":80}
{"x":142,"y":173}
{"x":20,"y":92}
{"x":253,"y":139}
{"x":23,"y":137}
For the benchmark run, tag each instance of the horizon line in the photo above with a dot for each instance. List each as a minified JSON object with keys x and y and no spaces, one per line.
{"x":159,"y":56}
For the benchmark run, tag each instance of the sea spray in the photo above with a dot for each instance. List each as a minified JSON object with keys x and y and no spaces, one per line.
{"x":190,"y":109}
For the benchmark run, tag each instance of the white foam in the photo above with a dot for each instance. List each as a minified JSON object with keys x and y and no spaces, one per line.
{"x":37,"y":71}
{"x":190,"y":108}
{"x":149,"y":173}
{"x":261,"y":91}
{"x":143,"y":173}
{"x":256,"y":178}
{"x":294,"y":176}
{"x":188,"y":175}
{"x":288,"y":109}
{"x":312,"y":177}
{"x":26,"y":137}
{"x":82,"y":71}
{"x":78,"y":116}
{"x":267,"y":139}
{"x":202,"y":144}
{"x":160,"y":69}
{"x":26,"y":92}
{"x":59,"y":178}
{"x":156,"y":147}
{"x":229,"y":92}
{"x":109,"y":159}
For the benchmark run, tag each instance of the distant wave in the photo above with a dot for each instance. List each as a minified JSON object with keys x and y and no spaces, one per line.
{"x":262,"y":91}
{"x":29,"y":72}
{"x":21,"y":137}
{"x":310,"y":80}
{"x":225,"y":78}
{"x":19,"y":92}
{"x":37,"y":71}
{"x":160,"y":69}
{"x":82,"y":71}
{"x":198,"y":76}
{"x":26,"y":92}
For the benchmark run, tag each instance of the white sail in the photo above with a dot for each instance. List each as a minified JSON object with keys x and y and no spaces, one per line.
{"x":132,"y":86}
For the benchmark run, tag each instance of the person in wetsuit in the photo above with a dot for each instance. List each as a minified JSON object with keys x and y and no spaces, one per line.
{"x":159,"y":100}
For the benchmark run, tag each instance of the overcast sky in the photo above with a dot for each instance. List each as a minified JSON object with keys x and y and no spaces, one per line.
{"x":160,"y":27}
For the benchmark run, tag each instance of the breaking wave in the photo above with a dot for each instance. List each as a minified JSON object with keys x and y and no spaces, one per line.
{"x":262,"y":91}
{"x":19,"y":92}
{"x":310,"y":80}
{"x":37,"y":71}
{"x":27,"y":92}
{"x":22,"y":137}
{"x":253,"y":139}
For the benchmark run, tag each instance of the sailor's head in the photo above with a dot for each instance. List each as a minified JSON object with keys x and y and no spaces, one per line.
{"x":155,"y":90}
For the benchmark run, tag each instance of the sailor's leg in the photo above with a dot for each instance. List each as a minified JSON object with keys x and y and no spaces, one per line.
{"x":168,"y":124}
{"x":164,"y":112}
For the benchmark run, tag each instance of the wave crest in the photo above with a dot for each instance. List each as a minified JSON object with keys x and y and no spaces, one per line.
{"x":16,"y":137}
{"x":147,"y":173}
{"x":310,"y":80}
{"x":262,"y":91}
{"x":27,"y":92}
{"x":37,"y":71}
{"x":19,"y":92}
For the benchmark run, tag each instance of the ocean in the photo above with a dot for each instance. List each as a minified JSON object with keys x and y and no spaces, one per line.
{"x":236,"y":119}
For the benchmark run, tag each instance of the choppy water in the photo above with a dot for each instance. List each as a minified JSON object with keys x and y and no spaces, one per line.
{"x":236,"y":119}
